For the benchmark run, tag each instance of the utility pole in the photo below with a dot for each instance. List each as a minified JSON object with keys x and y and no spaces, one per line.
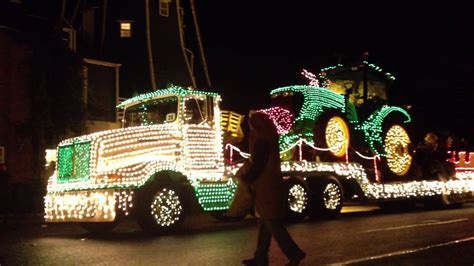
{"x":149,"y":49}
{"x":201,"y":48}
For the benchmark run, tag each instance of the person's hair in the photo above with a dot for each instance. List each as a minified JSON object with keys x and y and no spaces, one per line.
{"x":262,"y":125}
{"x":431,"y":137}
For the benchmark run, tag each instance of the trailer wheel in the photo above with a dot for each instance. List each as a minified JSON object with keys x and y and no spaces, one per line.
{"x":327,"y":200}
{"x":298,"y":200}
{"x":160,"y":208}
{"x":98,"y":228}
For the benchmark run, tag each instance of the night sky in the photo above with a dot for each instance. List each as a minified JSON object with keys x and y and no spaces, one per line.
{"x":254,"y":48}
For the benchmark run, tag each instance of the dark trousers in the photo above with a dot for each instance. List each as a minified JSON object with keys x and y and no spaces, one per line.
{"x":269,"y":228}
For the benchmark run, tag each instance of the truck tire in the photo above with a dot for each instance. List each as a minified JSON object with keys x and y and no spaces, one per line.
{"x":99,"y":228}
{"x":160,"y":208}
{"x":298,"y":200}
{"x":332,"y":130}
{"x":327,"y":199}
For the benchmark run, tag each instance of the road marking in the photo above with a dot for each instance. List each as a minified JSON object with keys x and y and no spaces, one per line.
{"x":404,"y":252}
{"x":428,"y":223}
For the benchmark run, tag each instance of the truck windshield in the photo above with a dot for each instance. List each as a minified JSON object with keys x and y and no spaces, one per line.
{"x":156,"y":111}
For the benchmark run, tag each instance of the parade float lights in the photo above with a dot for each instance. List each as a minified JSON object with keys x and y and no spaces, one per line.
{"x":397,"y":144}
{"x":298,"y":198}
{"x":337,"y":135}
{"x":372,"y":127}
{"x":322,"y":75}
{"x":166,"y":208}
{"x":97,"y":174}
{"x":378,"y":191}
{"x":464,"y":164}
{"x":92,"y":206}
{"x":313,"y":80}
{"x":281,"y":118}
{"x":394,"y":146}
{"x":125,"y":158}
{"x":316,"y":100}
{"x":371,"y":190}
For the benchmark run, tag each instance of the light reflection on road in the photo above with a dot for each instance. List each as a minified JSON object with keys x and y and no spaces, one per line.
{"x":350,"y":209}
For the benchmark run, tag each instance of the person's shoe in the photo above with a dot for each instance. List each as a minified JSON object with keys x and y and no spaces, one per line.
{"x":296,"y":261}
{"x":254,"y":262}
{"x":249,"y":262}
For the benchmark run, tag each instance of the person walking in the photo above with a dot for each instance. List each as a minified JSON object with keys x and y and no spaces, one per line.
{"x":264,"y":175}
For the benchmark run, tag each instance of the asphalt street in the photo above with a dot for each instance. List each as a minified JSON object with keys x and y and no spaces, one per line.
{"x":361,"y":236}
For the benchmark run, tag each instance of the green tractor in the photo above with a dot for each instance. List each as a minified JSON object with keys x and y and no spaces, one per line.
{"x":347,"y":119}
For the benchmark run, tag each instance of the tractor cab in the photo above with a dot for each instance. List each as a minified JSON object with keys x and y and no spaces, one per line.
{"x":363,"y":83}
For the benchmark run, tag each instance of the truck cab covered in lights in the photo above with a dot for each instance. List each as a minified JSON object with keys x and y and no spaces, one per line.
{"x":157,"y":111}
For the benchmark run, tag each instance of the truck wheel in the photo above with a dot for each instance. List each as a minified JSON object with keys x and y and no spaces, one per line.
{"x":98,"y":228}
{"x":298,"y":199}
{"x":332,"y":132}
{"x":327,"y":200}
{"x":160,"y":208}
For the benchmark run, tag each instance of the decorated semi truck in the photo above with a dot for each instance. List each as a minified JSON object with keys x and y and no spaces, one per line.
{"x":167,"y":161}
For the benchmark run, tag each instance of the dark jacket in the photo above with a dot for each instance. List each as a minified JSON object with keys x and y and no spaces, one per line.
{"x":265,"y":172}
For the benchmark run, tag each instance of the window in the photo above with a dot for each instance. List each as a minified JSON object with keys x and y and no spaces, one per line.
{"x":195,"y":111}
{"x":164,"y":7}
{"x":126,"y":29}
{"x":68,"y":35}
{"x":157,"y":111}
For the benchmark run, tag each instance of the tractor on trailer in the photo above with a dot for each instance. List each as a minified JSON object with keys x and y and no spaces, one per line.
{"x":167,"y":162}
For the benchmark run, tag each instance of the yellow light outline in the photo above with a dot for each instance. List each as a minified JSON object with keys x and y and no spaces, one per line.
{"x":337,"y":124}
{"x":398,"y":164}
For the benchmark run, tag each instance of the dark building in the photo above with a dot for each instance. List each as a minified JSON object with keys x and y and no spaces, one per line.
{"x":155,"y":41}
{"x":126,"y":47}
{"x":151,"y":44}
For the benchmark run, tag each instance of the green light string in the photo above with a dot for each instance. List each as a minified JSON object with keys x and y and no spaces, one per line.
{"x":73,"y":162}
{"x":288,"y":140}
{"x":215,"y":196}
{"x":316,"y":101}
{"x":172,"y":90}
{"x":372,"y":127}
{"x":324,"y":81}
{"x":379,"y":69}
